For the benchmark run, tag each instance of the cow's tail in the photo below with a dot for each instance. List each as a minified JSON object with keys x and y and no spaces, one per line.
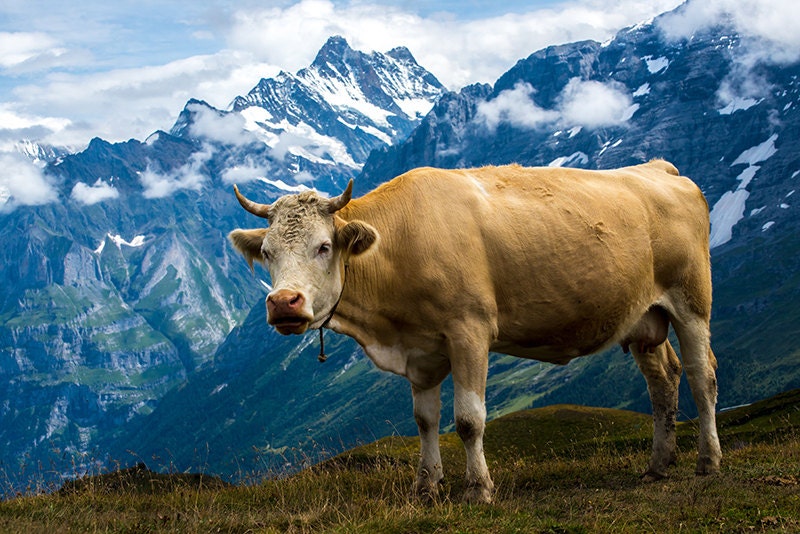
{"x":665,"y":166}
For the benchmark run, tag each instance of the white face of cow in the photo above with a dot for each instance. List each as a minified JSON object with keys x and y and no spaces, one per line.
{"x":304,"y":249}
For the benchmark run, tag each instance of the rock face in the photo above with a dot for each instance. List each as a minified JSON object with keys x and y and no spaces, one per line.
{"x":116,"y":293}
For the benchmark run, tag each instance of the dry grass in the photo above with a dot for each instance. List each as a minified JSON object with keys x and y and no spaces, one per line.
{"x":588,"y":482}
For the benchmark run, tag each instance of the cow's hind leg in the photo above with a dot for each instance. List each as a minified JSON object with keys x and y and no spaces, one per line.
{"x":427,"y":411}
{"x":470,"y":363}
{"x":700,"y":365}
{"x":662,"y":371}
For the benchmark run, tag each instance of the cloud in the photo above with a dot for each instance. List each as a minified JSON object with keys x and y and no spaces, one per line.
{"x":120,"y":104}
{"x":226,"y":128}
{"x":22,"y":183}
{"x":594,"y":104}
{"x":243,"y":173}
{"x":92,"y":194}
{"x":21,"y":48}
{"x":581,"y":103}
{"x":189,"y":176}
{"x":516,"y":107}
{"x":14,"y":126}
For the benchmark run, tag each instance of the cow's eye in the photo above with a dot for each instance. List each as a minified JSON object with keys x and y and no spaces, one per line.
{"x":324,"y":249}
{"x":266,"y":255}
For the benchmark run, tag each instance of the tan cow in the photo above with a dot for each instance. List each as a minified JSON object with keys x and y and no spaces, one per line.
{"x":434,"y":269}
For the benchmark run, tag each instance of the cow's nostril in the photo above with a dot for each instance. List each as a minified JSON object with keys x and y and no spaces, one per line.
{"x":285,"y":300}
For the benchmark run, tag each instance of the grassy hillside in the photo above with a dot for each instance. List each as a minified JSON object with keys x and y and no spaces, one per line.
{"x":557,"y":469}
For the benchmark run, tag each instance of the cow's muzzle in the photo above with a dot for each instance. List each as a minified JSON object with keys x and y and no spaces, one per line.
{"x":285,"y":311}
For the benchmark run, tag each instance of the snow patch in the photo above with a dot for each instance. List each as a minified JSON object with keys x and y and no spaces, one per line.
{"x":137,"y":241}
{"x":738,"y":104}
{"x":608,"y":145}
{"x":643,"y":89}
{"x":304,"y":141}
{"x":565,"y":161}
{"x":656,"y":65}
{"x":729,"y":209}
{"x":767,"y":226}
{"x":283,"y":186}
{"x":758,"y":153}
{"x":218,"y":389}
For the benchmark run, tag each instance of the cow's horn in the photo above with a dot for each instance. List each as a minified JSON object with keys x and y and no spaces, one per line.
{"x":262,"y":210}
{"x":337,"y":203}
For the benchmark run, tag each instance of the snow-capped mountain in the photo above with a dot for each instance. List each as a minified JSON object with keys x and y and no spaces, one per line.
{"x":267,"y":402}
{"x":323,"y":121}
{"x":362,"y":100}
{"x":124,"y":284}
{"x":39,"y":154}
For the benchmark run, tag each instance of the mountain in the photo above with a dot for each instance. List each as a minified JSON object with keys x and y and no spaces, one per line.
{"x":267,"y":405}
{"x":124,"y":287}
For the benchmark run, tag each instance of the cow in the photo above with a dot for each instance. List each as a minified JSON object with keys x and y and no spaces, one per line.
{"x":431,"y":271}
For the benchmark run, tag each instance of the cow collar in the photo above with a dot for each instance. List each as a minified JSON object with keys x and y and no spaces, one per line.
{"x":322,"y":356}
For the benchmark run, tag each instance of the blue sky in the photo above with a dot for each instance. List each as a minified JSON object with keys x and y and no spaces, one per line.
{"x":121,"y":69}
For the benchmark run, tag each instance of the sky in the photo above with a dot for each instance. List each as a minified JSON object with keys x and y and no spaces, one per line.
{"x":71,"y":71}
{"x":122,"y":69}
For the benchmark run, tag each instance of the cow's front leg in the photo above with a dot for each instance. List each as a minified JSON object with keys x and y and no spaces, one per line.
{"x":469,"y":381}
{"x":427,"y":411}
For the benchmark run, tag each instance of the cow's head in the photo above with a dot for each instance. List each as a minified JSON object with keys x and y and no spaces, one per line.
{"x":305,"y":249}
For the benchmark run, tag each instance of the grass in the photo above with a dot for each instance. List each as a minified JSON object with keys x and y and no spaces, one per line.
{"x":561,"y":469}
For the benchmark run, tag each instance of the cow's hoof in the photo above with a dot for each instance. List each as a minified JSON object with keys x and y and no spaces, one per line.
{"x":426,"y":490}
{"x":478,"y":494}
{"x":706,"y":466}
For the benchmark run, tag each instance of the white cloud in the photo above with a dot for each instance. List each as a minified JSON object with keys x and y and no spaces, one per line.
{"x":227,"y":128}
{"x":92,"y":194}
{"x":589,"y":104}
{"x":189,"y":176}
{"x":20,"y":48}
{"x":22,"y":183}
{"x":132,"y":103}
{"x":246,"y":172}
{"x":516,"y":107}
{"x":594,"y":104}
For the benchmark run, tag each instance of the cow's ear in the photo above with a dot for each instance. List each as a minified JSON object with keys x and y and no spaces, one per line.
{"x":249,"y":242}
{"x":356,"y":237}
